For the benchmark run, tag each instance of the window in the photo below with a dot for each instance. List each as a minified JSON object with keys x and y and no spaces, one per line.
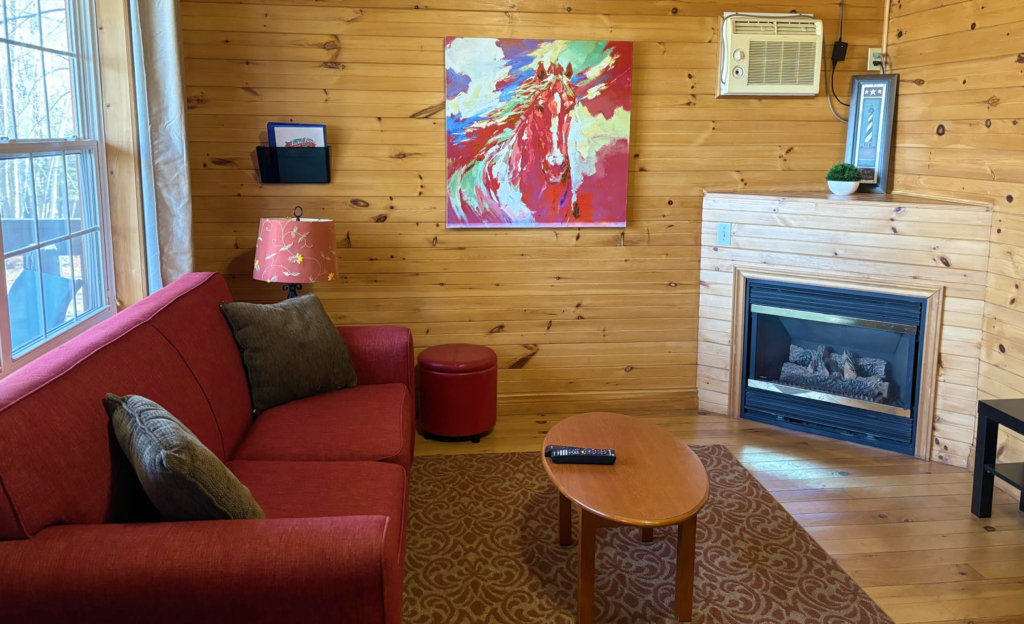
{"x":54,"y":224}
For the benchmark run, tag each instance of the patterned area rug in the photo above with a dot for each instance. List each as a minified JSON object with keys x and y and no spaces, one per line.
{"x":483,"y":547}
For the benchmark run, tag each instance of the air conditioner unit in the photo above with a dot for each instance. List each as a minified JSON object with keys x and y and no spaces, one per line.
{"x":765,"y":54}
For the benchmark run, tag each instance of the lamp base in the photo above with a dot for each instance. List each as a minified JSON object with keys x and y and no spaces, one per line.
{"x":293,"y":290}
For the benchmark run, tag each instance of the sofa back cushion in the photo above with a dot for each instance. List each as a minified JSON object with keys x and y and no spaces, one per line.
{"x":59,"y":460}
{"x":193,"y":323}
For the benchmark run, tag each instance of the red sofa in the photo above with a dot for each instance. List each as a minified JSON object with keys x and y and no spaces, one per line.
{"x":80,"y":540}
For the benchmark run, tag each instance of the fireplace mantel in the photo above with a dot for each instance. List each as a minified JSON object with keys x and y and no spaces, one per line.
{"x":894,"y":242}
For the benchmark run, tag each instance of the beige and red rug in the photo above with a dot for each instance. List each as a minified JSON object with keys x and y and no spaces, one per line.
{"x":483,"y":547}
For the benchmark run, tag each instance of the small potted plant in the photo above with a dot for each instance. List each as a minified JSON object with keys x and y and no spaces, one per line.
{"x":843,"y":179}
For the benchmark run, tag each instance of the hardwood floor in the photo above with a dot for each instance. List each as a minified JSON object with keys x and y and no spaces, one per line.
{"x":900,"y":526}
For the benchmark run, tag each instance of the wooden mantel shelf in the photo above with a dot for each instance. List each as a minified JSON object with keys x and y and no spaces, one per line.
{"x":856,"y":198}
{"x":899,"y":242}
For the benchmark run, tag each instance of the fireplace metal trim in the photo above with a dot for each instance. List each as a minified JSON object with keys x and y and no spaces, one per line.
{"x":834,"y":319}
{"x":827,"y":397}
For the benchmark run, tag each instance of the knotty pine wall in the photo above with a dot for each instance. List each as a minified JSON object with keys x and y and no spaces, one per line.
{"x":581,"y":319}
{"x":961,"y":135}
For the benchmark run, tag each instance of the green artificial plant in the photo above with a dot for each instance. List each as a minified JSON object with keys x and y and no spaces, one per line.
{"x":843,"y":172}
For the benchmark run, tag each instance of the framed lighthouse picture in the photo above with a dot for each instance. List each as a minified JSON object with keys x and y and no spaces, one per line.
{"x":869,"y":137}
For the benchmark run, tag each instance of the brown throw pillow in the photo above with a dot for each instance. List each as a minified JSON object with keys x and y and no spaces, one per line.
{"x":291,"y":350}
{"x":183,"y":478}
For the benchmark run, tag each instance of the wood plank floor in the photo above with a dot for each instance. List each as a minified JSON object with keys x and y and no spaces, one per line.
{"x":900,"y":526}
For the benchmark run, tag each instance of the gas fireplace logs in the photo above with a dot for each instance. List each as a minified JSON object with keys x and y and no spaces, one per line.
{"x":836,"y":373}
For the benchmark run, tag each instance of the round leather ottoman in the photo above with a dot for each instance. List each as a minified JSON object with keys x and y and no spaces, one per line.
{"x":458,"y":391}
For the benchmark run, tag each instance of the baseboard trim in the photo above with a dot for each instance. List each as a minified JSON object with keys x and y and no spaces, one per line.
{"x":626,"y":402}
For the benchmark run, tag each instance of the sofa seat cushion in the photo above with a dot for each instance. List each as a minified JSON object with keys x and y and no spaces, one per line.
{"x":297,"y":489}
{"x":365,"y":423}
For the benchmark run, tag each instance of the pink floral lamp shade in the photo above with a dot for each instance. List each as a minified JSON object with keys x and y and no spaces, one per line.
{"x":295,"y":251}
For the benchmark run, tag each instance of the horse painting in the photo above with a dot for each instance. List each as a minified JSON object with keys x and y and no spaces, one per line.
{"x":538,"y":132}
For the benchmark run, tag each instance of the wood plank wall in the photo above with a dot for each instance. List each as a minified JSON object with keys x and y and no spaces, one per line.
{"x":589,"y":319}
{"x":960,"y":134}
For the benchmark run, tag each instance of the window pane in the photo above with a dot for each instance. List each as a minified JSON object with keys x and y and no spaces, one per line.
{"x":60,"y":96}
{"x":54,"y":24}
{"x":51,"y":196}
{"x":6,"y":105}
{"x":17,"y":205}
{"x":29,"y":101}
{"x":24,"y":300}
{"x":58,"y":285}
{"x":82,"y":205}
{"x":23,"y":21}
{"x":87,"y":260}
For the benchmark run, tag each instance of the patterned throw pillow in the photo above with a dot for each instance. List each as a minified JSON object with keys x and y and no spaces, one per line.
{"x":183,"y":478}
{"x":291,"y":350}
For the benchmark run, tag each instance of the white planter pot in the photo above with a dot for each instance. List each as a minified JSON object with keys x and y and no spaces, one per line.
{"x":843,"y":188}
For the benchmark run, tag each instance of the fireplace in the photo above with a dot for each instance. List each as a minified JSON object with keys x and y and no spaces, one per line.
{"x":841,"y":363}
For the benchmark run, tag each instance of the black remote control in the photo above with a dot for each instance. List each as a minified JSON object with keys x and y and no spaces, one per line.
{"x":581,"y":455}
{"x":550,"y":448}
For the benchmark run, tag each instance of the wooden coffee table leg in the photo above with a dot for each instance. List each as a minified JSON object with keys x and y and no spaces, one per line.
{"x":685,"y":568}
{"x":647,"y":534}
{"x":564,"y":520}
{"x":588,"y":551}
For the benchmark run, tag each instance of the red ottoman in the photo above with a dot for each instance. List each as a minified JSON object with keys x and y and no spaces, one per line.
{"x":458,"y":391}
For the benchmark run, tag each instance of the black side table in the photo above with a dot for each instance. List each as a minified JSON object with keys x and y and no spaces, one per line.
{"x":1010,"y":414}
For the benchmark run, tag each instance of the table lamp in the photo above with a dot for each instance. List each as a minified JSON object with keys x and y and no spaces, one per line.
{"x":296,"y":251}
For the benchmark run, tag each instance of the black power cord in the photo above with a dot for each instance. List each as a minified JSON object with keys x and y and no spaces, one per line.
{"x":833,"y":86}
{"x":839,"y":52}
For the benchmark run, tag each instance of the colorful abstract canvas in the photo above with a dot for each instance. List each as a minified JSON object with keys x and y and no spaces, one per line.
{"x":537,"y":132}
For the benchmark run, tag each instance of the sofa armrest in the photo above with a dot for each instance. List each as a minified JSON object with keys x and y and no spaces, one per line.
{"x":381,"y":354}
{"x":279,"y":570}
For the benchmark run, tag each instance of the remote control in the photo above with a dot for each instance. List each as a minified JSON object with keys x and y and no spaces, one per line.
{"x":550,"y":448}
{"x":581,"y":455}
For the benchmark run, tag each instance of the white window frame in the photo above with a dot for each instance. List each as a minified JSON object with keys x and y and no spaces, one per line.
{"x":82,"y":32}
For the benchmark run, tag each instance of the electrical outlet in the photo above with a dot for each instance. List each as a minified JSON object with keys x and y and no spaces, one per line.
{"x":724,"y":235}
{"x":874,"y":56}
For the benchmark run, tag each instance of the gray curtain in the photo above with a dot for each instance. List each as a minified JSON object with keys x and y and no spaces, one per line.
{"x":160,"y":93}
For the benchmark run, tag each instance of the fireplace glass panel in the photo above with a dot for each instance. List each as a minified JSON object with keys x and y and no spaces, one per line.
{"x":837,"y":362}
{"x":835,"y":359}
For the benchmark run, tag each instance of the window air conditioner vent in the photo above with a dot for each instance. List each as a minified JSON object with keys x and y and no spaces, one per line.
{"x":782,"y":63}
{"x":794,"y":28}
{"x":753,"y":27}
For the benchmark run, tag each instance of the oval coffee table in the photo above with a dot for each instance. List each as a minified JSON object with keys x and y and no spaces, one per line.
{"x":656,"y":481}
